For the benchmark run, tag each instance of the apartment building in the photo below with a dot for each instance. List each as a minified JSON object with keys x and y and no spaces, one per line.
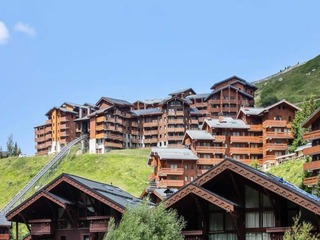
{"x":60,"y":128}
{"x":173,"y":167}
{"x":313,"y":136}
{"x":228,"y":96}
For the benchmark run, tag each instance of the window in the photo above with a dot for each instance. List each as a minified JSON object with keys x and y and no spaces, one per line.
{"x":185,"y":166}
{"x":186,"y":178}
{"x":173,"y":166}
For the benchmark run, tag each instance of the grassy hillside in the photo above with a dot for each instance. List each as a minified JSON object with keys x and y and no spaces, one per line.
{"x":294,"y":85}
{"x":126,"y":169}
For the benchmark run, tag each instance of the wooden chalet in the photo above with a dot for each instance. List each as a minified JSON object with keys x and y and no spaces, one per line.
{"x":313,"y":166}
{"x":71,"y":207}
{"x":235,"y":201}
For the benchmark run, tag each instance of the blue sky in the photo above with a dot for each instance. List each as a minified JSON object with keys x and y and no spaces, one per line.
{"x":78,"y":51}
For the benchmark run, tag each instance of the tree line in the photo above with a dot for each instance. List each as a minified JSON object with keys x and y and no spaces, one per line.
{"x":12,"y":148}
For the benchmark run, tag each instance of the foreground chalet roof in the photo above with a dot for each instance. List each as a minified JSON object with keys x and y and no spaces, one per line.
{"x":226,"y":122}
{"x":280,"y":102}
{"x":265,"y":180}
{"x":313,"y":117}
{"x":110,"y":195}
{"x":173,"y":153}
{"x":251,"y":111}
{"x":232,"y":87}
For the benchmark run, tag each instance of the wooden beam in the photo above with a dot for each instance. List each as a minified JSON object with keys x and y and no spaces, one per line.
{"x":25,"y":221}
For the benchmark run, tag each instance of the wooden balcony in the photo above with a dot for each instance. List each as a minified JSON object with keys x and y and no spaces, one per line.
{"x":101,"y":119}
{"x":150,"y":140}
{"x":64,"y":119}
{"x":170,"y":183}
{"x":181,"y":129}
{"x":4,"y":236}
{"x":311,"y":181}
{"x":41,"y":227}
{"x":312,"y":150}
{"x":40,"y":132}
{"x":311,"y":165}
{"x":239,"y":150}
{"x":215,"y":101}
{"x":98,"y":223}
{"x":201,"y":171}
{"x":151,"y":132}
{"x":48,"y":122}
{"x":209,"y":161}
{"x":219,"y":138}
{"x":245,"y":161}
{"x":175,"y":121}
{"x":113,"y":145}
{"x":114,"y":136}
{"x":276,"y":147}
{"x":192,"y":233}
{"x":64,"y":134}
{"x":175,"y":113}
{"x":205,"y":149}
{"x":101,"y":127}
{"x":255,"y":128}
{"x":134,"y":124}
{"x":279,"y":135}
{"x":312,"y":135}
{"x":269,"y":158}
{"x":170,"y":171}
{"x":246,"y":139}
{"x":274,"y":123}
{"x":40,"y":139}
{"x":151,"y":124}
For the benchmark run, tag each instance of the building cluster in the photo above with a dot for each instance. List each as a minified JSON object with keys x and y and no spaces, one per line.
{"x":237,"y":128}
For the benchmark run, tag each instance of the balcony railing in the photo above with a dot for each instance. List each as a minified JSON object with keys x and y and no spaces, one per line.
{"x":274,"y":123}
{"x":311,"y":165}
{"x":219,"y":138}
{"x":204,"y":149}
{"x":256,"y":128}
{"x":209,"y":161}
{"x":312,"y":135}
{"x":101,"y":119}
{"x":98,"y":223}
{"x":101,"y":127}
{"x":245,"y":150}
{"x":170,"y":183}
{"x":64,"y":119}
{"x":312,"y":150}
{"x":311,"y":181}
{"x":5,"y":236}
{"x":113,"y":144}
{"x":181,"y":129}
{"x":279,"y":135}
{"x":150,"y":124}
{"x":170,"y":171}
{"x":275,"y":147}
{"x":246,"y":139}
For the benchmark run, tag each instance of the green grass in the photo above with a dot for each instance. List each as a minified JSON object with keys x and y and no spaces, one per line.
{"x":291,"y":171}
{"x":126,"y":169}
{"x":295,"y":85}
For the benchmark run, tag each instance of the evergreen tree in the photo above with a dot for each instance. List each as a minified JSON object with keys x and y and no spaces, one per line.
{"x":308,"y":107}
{"x":10,"y":145}
{"x":144,"y":222}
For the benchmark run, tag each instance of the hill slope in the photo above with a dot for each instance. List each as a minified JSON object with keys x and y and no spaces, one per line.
{"x":295,"y":85}
{"x":126,"y":169}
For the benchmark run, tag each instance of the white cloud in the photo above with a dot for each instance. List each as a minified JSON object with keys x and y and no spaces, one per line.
{"x":25,"y":28}
{"x":4,"y":33}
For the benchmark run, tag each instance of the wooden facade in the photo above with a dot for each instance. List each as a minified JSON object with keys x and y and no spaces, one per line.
{"x":71,"y":207}
{"x":235,"y":201}
{"x":5,"y":228}
{"x":313,"y":136}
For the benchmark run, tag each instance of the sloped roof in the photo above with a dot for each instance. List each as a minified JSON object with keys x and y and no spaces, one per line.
{"x":60,"y":109}
{"x":175,"y":98}
{"x":227,"y":122}
{"x":198,"y":96}
{"x":182,"y":91}
{"x":150,"y":111}
{"x":234,"y":77}
{"x":102,"y":110}
{"x":229,"y":86}
{"x":280,"y":102}
{"x":115,"y":101}
{"x":252,"y":111}
{"x":194,"y":111}
{"x":153,"y":101}
{"x":313,"y":117}
{"x":174,"y":153}
{"x":110,"y":195}
{"x":4,"y":222}
{"x":199,"y":135}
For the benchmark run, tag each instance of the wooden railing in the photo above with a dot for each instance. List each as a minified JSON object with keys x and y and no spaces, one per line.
{"x":245,"y":150}
{"x":101,"y":119}
{"x":312,"y":135}
{"x":219,"y":138}
{"x":63,"y":119}
{"x":170,"y":183}
{"x":256,"y":128}
{"x":311,"y":181}
{"x":312,"y":150}
{"x":99,"y":223}
{"x":41,"y":227}
{"x":209,"y":161}
{"x":311,"y":165}
{"x":274,"y":146}
{"x":279,"y":135}
{"x":246,"y":139}
{"x":5,"y":236}
{"x":170,"y":171}
{"x":274,"y":123}
{"x":204,"y":149}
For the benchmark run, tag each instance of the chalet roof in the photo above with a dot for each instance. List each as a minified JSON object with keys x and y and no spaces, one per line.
{"x":174,"y":153}
{"x":175,"y":98}
{"x":150,"y":111}
{"x":182,"y":91}
{"x":198,"y":96}
{"x":71,"y":104}
{"x":115,"y":101}
{"x":164,"y":193}
{"x":199,"y":135}
{"x":280,"y":102}
{"x":234,"y":77}
{"x":106,"y":193}
{"x":86,"y":118}
{"x":229,"y":86}
{"x":41,"y":125}
{"x":4,"y":222}
{"x":313,"y":117}
{"x":153,"y":101}
{"x":227,"y":122}
{"x":252,"y":111}
{"x":60,"y":109}
{"x":102,"y":110}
